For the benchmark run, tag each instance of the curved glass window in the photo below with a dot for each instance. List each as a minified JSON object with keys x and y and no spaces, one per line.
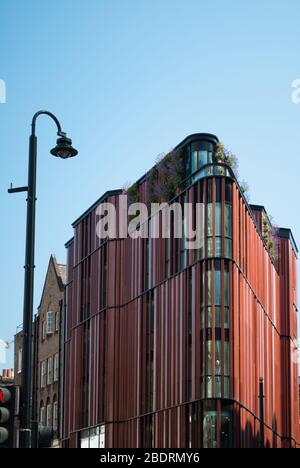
{"x":215,"y":322}
{"x":201,"y":153}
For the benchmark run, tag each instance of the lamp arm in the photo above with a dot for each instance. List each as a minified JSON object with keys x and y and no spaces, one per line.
{"x":52,"y":116}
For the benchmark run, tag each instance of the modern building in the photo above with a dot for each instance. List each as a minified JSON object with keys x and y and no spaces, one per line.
{"x":46,"y":391}
{"x":169,"y":347}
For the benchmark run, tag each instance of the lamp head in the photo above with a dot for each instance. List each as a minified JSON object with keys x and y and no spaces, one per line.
{"x":64,"y":148}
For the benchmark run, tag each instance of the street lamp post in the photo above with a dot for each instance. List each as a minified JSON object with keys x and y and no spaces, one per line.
{"x":63,"y":150}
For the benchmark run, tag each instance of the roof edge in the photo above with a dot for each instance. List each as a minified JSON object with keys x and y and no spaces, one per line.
{"x":286,"y":233}
{"x":94,"y":205}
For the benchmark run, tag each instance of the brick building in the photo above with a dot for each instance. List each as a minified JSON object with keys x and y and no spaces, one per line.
{"x":46,"y":352}
{"x":46,"y":391}
{"x":166,"y":347}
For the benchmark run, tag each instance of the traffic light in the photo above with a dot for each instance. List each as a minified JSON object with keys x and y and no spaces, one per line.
{"x":7,"y":413}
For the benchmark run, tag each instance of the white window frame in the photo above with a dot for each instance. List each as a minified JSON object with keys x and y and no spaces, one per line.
{"x":56,"y":368}
{"x":43,"y":374}
{"x":55,"y":415}
{"x":42,"y":415}
{"x":50,"y":323}
{"x":50,"y":371}
{"x":20,"y":357}
{"x":49,"y":415}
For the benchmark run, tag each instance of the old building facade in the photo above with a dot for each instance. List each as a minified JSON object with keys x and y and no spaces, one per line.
{"x":46,"y":391}
{"x":46,"y":342}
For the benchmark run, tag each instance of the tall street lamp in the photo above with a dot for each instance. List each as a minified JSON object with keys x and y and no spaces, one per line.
{"x":63,"y":150}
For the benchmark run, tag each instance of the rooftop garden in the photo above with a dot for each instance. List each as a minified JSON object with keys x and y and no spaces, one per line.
{"x":164,"y":182}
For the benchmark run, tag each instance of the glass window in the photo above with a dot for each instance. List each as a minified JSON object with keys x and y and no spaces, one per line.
{"x":94,"y":438}
{"x":218,"y":247}
{"x":43,"y":374}
{"x":50,"y":323}
{"x":209,"y":323}
{"x":50,"y":371}
{"x":228,"y":192}
{"x":219,"y":219}
{"x":202,"y":158}
{"x":228,"y":220}
{"x":42,"y":414}
{"x":49,"y":415}
{"x":208,"y":357}
{"x":209,"y":392}
{"x":218,"y":316}
{"x":55,"y":415}
{"x":226,"y":387}
{"x":20,"y":355}
{"x":218,"y":379}
{"x":217,"y":285}
{"x":218,"y":357}
{"x":85,"y":440}
{"x":56,"y":367}
{"x":210,"y":429}
{"x":209,"y":247}
{"x":210,"y":220}
{"x":208,"y":287}
{"x":228,"y":248}
{"x":226,"y":427}
{"x":102,"y":436}
{"x":194,"y":161}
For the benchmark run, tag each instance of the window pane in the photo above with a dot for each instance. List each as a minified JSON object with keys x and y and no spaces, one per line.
{"x":209,"y":247}
{"x":226,"y":387}
{"x":218,"y":386}
{"x":210,"y":429}
{"x":228,"y":248}
{"x":209,"y":222}
{"x":194,"y":161}
{"x":228,"y":192}
{"x":228,"y":220}
{"x":202,"y":158}
{"x":218,"y":316}
{"x":218,"y":247}
{"x":208,"y":287}
{"x":218,"y":300}
{"x":208,"y":357}
{"x":209,"y":392}
{"x":226,"y":358}
{"x":209,"y":317}
{"x":218,"y":355}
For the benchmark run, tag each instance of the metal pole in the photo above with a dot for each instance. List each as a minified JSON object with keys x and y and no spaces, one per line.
{"x":27,"y":364}
{"x":25,"y":435}
{"x":261,"y":414}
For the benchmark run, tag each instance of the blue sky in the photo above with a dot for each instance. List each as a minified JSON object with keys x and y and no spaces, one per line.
{"x":129,"y":80}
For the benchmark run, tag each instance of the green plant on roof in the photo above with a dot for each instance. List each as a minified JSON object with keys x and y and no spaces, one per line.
{"x":270,"y":236}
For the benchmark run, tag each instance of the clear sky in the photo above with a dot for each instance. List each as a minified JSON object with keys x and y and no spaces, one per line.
{"x":129,"y":80}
